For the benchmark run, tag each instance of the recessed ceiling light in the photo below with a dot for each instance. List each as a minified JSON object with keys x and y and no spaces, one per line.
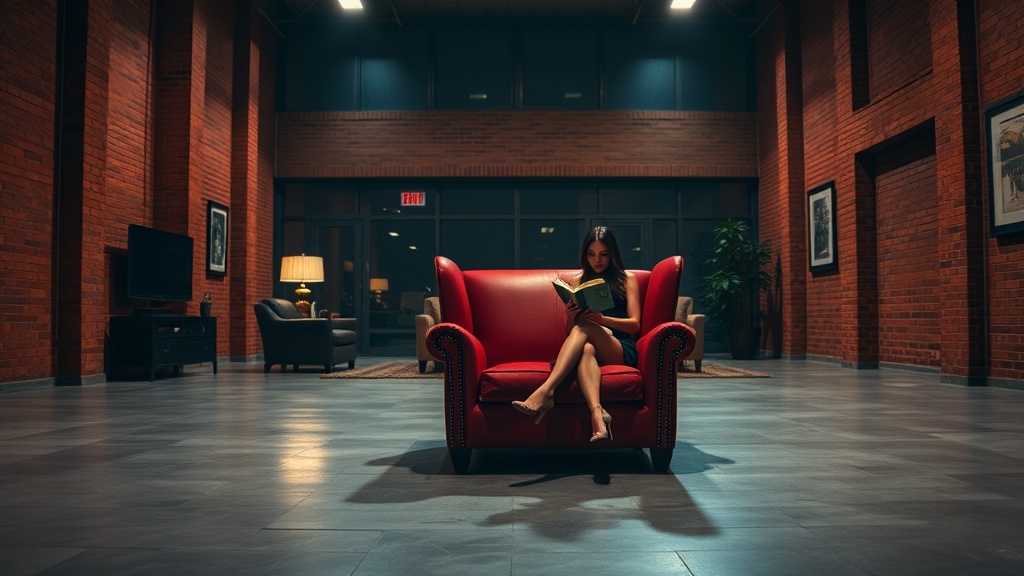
{"x":351,"y":4}
{"x":682,"y":4}
{"x":393,"y":234}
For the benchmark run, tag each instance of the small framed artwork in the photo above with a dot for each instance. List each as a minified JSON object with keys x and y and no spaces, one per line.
{"x":821,"y":226}
{"x":216,"y":238}
{"x":1004,"y":130}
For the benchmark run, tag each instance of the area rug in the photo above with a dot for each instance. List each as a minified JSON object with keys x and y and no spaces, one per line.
{"x":712,"y":370}
{"x":401,"y":370}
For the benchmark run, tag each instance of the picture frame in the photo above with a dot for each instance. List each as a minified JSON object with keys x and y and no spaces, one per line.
{"x":216,"y":238}
{"x":1004,"y":135}
{"x":822,"y":247}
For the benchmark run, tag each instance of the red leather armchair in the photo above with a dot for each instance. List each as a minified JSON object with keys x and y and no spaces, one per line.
{"x":499,"y":332}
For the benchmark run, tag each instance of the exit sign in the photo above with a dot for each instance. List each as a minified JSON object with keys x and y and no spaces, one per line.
{"x":414,"y":199}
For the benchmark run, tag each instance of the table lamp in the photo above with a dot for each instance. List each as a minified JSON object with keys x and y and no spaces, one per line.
{"x":302,"y":269}
{"x":378,"y":285}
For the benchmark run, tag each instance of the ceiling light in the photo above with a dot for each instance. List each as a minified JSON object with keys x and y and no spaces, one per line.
{"x":393,"y":234}
{"x":351,"y":4}
{"x":682,"y":4}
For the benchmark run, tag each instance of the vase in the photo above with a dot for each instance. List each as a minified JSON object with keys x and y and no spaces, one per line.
{"x":204,"y":309}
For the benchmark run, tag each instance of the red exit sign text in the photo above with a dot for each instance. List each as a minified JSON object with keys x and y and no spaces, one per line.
{"x":414,"y":199}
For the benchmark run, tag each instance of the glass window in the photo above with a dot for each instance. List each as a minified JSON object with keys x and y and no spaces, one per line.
{"x":561,"y":70}
{"x":395,"y":200}
{"x":640,"y":70}
{"x":477,"y":200}
{"x":317,"y":199}
{"x":550,"y":243}
{"x":474,"y":72}
{"x":479,"y":244}
{"x":666,"y":243}
{"x":715,"y":199}
{"x":401,"y":271}
{"x":394,"y":70}
{"x":558,"y":200}
{"x":644,"y":199}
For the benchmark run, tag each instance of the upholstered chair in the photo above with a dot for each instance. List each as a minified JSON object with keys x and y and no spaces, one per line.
{"x":501,"y":329}
{"x":431,"y":316}
{"x":684,"y":314}
{"x":291,"y":338}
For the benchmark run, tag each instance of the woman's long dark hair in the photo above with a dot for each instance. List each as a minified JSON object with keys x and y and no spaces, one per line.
{"x":615,"y":275}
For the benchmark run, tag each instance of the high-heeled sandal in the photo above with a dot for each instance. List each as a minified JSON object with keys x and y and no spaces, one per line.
{"x":607,"y":419}
{"x":539,"y":412}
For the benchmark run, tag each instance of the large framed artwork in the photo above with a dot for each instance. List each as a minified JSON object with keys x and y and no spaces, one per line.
{"x":216,"y":238}
{"x":1004,"y":128}
{"x":821,"y":226}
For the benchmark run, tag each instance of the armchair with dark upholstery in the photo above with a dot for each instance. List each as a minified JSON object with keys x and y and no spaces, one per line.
{"x":499,"y":332}
{"x":291,"y":338}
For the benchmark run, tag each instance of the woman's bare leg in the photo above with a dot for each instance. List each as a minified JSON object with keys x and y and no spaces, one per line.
{"x":588,"y":374}
{"x":606,"y":350}
{"x":568,"y":357}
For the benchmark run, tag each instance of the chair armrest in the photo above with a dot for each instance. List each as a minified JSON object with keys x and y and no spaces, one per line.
{"x":696,"y":321}
{"x":658,"y":352}
{"x":344,"y":324}
{"x":301,"y":333}
{"x":424,"y":322}
{"x":464,"y":361}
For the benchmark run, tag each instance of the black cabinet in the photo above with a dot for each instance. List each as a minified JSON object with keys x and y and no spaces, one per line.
{"x":161,"y":340}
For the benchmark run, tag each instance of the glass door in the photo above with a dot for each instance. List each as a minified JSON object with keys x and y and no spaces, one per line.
{"x":339,"y":244}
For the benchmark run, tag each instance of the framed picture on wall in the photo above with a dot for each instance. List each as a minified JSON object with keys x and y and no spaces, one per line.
{"x":1004,"y":130}
{"x":821,"y":227}
{"x":216,"y":238}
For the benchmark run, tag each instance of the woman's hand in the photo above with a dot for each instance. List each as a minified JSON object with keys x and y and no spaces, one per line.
{"x":578,"y":315}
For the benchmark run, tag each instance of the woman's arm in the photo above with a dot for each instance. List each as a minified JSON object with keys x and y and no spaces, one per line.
{"x":630,"y":325}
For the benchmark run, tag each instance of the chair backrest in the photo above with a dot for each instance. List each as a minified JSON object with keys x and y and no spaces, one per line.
{"x":282,"y":308}
{"x":432,"y":308}
{"x":517,"y":316}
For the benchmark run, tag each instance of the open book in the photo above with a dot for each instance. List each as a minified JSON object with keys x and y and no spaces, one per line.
{"x":593,"y":295}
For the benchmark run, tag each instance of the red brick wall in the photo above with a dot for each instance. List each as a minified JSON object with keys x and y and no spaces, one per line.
{"x":1000,"y":29}
{"x":252,"y":158}
{"x":938,"y":227}
{"x":28,"y":41}
{"x":909,"y":300}
{"x":147,"y":138}
{"x":515,"y":143}
{"x":898,"y":44}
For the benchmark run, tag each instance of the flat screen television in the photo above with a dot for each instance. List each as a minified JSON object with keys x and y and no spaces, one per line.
{"x":159,"y":265}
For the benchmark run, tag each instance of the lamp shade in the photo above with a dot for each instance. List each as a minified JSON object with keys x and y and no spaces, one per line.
{"x":302,"y":269}
{"x":378,"y":284}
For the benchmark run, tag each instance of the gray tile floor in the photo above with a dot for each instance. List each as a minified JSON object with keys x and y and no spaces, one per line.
{"x":817,"y":470}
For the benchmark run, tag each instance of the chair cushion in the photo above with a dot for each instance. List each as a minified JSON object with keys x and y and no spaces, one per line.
{"x":283,"y":308}
{"x":343,"y":337}
{"x":516,"y":380}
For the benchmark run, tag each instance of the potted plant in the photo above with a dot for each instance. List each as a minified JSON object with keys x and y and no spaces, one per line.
{"x":731,"y":289}
{"x":206,"y":304}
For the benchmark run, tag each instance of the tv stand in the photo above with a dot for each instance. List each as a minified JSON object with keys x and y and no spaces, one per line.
{"x":152,"y":311}
{"x":153,"y":341}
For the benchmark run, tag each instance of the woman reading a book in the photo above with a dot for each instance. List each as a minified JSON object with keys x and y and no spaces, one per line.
{"x":594,"y":339}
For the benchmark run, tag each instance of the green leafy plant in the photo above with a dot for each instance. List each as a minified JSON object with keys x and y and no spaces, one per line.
{"x":736,"y":275}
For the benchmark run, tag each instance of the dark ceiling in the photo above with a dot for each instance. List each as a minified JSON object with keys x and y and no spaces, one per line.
{"x":430,"y":11}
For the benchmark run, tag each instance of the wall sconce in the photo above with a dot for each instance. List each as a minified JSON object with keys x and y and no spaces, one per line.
{"x":302,"y":269}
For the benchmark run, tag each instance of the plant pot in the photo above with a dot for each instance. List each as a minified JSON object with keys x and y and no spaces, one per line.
{"x":744,"y":342}
{"x":204,"y":309}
